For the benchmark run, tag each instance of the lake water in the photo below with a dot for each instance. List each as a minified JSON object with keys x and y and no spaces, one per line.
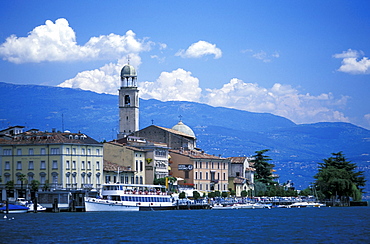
{"x":304,"y":225}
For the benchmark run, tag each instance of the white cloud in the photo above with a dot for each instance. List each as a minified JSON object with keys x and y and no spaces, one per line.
{"x":106,"y":79}
{"x":282,"y":100}
{"x":180,"y":85}
{"x":262,"y":55}
{"x":177,"y":85}
{"x":57,"y":42}
{"x":199,"y":49}
{"x":352,"y":62}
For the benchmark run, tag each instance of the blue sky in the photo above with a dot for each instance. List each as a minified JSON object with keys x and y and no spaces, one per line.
{"x":304,"y":60}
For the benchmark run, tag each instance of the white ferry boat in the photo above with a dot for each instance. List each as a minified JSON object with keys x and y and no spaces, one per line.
{"x":130,"y":197}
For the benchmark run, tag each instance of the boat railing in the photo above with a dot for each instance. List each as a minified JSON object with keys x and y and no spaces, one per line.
{"x":145,"y":193}
{"x":104,"y":201}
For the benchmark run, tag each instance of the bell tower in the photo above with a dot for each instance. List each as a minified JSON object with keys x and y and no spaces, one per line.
{"x":128,"y":102}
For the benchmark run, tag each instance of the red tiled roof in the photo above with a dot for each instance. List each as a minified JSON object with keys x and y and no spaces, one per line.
{"x":109,"y":166}
{"x":195,"y":154}
{"x":49,"y":138}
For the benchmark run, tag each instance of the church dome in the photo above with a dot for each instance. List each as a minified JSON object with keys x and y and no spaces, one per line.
{"x":184,"y":129}
{"x":128,"y":71}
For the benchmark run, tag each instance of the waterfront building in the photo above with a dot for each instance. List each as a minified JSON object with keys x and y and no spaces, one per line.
{"x":57,"y":160}
{"x":179,"y":136}
{"x":114,"y":173}
{"x":126,"y":156}
{"x":148,"y":160}
{"x":203,"y":171}
{"x":241,"y":175}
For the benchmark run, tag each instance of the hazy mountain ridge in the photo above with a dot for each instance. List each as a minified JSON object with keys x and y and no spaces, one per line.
{"x":295,"y":149}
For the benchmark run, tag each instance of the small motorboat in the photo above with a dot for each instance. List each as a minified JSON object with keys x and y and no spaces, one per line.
{"x":40,"y":208}
{"x":14,"y":209}
{"x":222,"y":207}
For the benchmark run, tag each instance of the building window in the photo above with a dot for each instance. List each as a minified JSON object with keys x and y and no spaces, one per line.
{"x":55,"y":164}
{"x":212,"y":165}
{"x":19,"y":152}
{"x":88,"y":165}
{"x":206,"y":187}
{"x":200,"y":187}
{"x":54,"y":151}
{"x":55,"y":179}
{"x":30,"y":151}
{"x":88,"y":151}
{"x":206,"y":175}
{"x":200,"y":175}
{"x":196,"y":175}
{"x":200,"y":165}
{"x":137,"y":179}
{"x":42,"y":151}
{"x":67,"y":150}
{"x":196,"y":164}
{"x":224,"y":176}
{"x":67,"y":164}
{"x":7,"y":165}
{"x":137,"y":166}
{"x":42,"y":165}
{"x":218,"y":165}
{"x":141,"y":165}
{"x":97,"y":152}
{"x":126,"y":179}
{"x":224,"y":165}
{"x":30,"y":178}
{"x":19,"y":165}
{"x":83,"y":151}
{"x":107,"y":179}
{"x":74,"y":151}
{"x":73,"y":164}
{"x":97,"y":165}
{"x":141,"y":180}
{"x":206,"y":165}
{"x":83,"y":165}
{"x":218,"y":176}
{"x":132,"y":180}
{"x":7,"y":152}
{"x":30,"y":165}
{"x":186,"y":174}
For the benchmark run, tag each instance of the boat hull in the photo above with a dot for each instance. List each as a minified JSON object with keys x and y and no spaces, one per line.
{"x":94,"y":206}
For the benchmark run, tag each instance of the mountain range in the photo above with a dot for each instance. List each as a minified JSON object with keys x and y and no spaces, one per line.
{"x":295,"y":149}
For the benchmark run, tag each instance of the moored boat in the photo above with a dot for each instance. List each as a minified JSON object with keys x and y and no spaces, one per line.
{"x":30,"y":207}
{"x":223,"y":207}
{"x":130,"y":197}
{"x":14,"y":209}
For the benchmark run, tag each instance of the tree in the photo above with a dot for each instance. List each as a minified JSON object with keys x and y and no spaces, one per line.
{"x":263,"y":167}
{"x":244,"y":193}
{"x":196,"y":195}
{"x":182,"y":195}
{"x":337,"y":177}
{"x":21,"y":178}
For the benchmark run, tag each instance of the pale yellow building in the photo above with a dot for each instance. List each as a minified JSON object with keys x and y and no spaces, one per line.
{"x":57,"y":160}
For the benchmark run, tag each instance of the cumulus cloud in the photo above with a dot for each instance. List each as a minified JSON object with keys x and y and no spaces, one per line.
{"x":57,"y":42}
{"x":200,"y":49}
{"x":262,"y":55}
{"x":178,"y":85}
{"x":280,"y":100}
{"x":353,"y":62}
{"x":106,"y":79}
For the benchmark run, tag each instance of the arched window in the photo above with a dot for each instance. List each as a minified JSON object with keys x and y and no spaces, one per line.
{"x":127,"y":100}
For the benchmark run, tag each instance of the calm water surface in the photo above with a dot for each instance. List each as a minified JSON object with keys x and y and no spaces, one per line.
{"x":305,"y":225}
